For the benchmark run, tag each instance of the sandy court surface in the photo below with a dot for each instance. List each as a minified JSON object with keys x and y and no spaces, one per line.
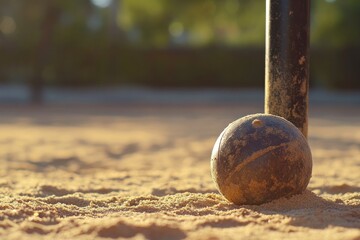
{"x":142,"y":172}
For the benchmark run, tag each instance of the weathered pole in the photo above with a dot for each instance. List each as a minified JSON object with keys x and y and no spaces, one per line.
{"x":287,"y":60}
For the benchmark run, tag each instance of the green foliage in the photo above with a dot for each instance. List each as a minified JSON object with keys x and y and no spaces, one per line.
{"x":336,"y":23}
{"x":201,"y":22}
{"x":164,"y":23}
{"x":166,"y":42}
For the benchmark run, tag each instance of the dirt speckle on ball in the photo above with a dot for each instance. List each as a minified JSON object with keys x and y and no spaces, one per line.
{"x":257,"y":123}
{"x":260,"y":158}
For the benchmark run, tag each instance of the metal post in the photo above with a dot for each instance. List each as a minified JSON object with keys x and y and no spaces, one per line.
{"x":287,"y":60}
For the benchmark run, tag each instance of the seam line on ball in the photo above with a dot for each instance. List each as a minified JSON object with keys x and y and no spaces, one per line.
{"x":254,"y":156}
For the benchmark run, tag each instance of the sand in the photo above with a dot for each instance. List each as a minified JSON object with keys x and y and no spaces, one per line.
{"x":142,"y":172}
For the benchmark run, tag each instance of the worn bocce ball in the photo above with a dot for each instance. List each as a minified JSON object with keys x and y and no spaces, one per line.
{"x":260,"y":158}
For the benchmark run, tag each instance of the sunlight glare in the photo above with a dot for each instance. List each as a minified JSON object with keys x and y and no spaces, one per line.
{"x":101,"y":3}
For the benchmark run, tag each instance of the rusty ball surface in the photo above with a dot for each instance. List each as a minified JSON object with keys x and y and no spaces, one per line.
{"x":260,"y":158}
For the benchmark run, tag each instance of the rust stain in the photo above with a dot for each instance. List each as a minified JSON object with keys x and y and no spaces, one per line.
{"x":302,"y":60}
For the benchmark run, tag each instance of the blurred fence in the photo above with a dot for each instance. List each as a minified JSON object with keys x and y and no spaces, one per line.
{"x":336,"y":68}
{"x":81,"y":66}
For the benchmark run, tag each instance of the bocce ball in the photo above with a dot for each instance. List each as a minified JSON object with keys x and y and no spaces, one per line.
{"x":260,"y":158}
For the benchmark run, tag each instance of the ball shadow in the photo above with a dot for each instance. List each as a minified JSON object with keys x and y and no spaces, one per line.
{"x":312,"y":211}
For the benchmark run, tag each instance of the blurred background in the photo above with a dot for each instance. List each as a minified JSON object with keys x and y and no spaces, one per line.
{"x":97,"y":44}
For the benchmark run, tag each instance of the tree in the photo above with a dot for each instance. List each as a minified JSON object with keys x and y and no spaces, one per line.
{"x":335,"y":23}
{"x":48,"y":23}
{"x":202,"y":22}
